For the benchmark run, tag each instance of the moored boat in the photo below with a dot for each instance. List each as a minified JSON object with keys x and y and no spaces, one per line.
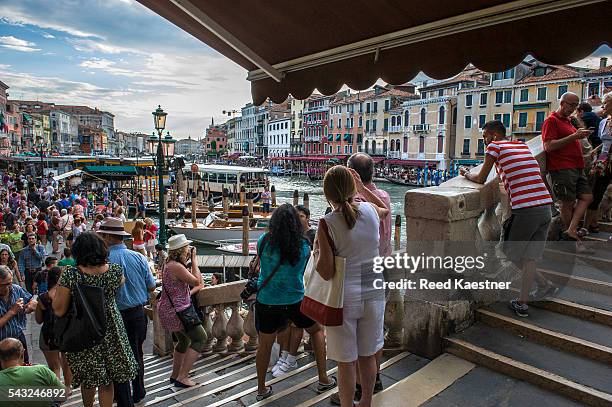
{"x":214,"y":229}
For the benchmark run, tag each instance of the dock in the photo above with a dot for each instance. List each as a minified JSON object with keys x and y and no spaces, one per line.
{"x":221,"y":261}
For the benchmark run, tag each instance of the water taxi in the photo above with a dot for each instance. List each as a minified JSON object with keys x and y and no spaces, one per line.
{"x":215,"y":177}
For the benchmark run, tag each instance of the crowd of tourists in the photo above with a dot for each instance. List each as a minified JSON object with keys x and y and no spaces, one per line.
{"x":36,"y":277}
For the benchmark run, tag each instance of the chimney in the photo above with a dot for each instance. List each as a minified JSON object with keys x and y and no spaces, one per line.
{"x":603,"y":62}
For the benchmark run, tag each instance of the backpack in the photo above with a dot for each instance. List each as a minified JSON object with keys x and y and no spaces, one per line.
{"x":48,"y":327}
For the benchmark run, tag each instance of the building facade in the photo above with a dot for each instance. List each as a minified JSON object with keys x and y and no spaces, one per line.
{"x":297,"y":131}
{"x":188,"y":147}
{"x":598,"y":82}
{"x":215,"y":142}
{"x":230,"y":130}
{"x":278,"y":137}
{"x":315,"y":123}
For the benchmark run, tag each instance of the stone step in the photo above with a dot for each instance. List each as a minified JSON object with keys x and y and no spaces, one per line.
{"x":602,"y":259}
{"x":524,"y":371}
{"x":577,"y":268}
{"x":587,"y":284}
{"x":584,"y":312}
{"x":551,"y":337}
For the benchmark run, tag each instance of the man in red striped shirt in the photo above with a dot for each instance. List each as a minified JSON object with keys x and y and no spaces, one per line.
{"x":525,"y":231}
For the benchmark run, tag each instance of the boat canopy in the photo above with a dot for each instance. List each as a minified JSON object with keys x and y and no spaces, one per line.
{"x":68,"y":174}
{"x":225,"y":169}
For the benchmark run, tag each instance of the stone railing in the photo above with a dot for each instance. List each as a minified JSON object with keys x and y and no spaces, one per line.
{"x":456,"y":211}
{"x":233,"y":334}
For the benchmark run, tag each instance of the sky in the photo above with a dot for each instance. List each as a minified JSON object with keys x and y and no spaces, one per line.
{"x":119,"y":56}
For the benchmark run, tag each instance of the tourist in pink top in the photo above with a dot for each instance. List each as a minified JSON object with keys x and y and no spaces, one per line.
{"x":364,"y":166}
{"x":526,"y":230}
{"x":178,"y":284}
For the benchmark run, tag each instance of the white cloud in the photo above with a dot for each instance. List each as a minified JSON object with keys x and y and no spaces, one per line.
{"x":17,"y":44}
{"x":84,"y":45}
{"x":48,"y":36}
{"x":14,"y":16}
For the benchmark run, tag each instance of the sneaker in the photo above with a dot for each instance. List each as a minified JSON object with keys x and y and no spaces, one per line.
{"x":540,"y":292}
{"x":278,"y":364}
{"x":378,"y":386}
{"x":322,"y":388}
{"x":285,"y":368}
{"x":519,"y":309}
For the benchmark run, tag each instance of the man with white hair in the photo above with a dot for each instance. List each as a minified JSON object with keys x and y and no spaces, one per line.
{"x":565,"y":164}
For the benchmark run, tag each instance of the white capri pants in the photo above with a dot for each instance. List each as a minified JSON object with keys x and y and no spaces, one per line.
{"x":361,"y":334}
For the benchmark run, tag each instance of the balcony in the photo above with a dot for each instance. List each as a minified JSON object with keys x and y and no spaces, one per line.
{"x":420,"y":128}
{"x":394,"y":154}
{"x":395,"y":129}
{"x":527,"y":128}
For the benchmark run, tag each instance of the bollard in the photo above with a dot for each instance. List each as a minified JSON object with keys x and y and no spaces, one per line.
{"x":398,"y":228}
{"x":242,"y":195}
{"x":194,"y":212}
{"x":296,"y":197}
{"x":273,"y":193}
{"x":245,"y":231}
{"x":249,"y":196}
{"x":225,"y":201}
{"x":306,"y":200}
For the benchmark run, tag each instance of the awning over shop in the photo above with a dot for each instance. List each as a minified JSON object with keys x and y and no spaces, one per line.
{"x":73,"y":173}
{"x":110,"y":171}
{"x":384,"y":39}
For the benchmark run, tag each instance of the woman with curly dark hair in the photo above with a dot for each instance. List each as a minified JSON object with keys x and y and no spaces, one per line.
{"x":283,"y":253}
{"x":90,"y":367}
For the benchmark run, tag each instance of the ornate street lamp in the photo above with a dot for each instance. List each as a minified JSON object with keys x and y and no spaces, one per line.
{"x":40,"y":143}
{"x":159,"y":120}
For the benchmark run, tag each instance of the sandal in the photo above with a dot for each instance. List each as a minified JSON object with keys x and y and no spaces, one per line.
{"x":566,"y":237}
{"x":263,"y":396}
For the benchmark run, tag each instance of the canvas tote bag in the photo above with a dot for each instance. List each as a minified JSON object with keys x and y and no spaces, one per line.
{"x":323,"y":300}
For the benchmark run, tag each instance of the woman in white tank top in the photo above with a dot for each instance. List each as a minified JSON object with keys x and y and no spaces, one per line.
{"x":353,"y":228}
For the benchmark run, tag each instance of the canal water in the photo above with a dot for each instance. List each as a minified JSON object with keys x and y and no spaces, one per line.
{"x":286,"y":185}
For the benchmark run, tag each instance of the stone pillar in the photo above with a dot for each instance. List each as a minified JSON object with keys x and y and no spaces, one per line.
{"x":235,"y":329}
{"x":249,"y":329}
{"x":208,"y":324}
{"x":219,"y":329}
{"x":162,"y":340}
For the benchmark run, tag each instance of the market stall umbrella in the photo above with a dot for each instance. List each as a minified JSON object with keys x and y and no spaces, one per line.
{"x":326,"y":44}
{"x":247,"y":157}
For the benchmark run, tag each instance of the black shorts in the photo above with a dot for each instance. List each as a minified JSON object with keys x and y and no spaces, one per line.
{"x":270,"y":319}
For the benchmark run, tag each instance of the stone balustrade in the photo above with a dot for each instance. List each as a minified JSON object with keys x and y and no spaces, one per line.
{"x":456,"y":211}
{"x":223,"y":334}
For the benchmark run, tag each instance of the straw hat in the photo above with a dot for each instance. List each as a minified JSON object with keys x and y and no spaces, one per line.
{"x":113,"y":226}
{"x":178,"y":241}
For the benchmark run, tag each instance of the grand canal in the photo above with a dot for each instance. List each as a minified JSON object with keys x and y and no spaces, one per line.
{"x":286,"y":185}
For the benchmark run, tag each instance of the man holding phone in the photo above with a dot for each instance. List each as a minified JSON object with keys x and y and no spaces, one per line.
{"x":566,"y":165}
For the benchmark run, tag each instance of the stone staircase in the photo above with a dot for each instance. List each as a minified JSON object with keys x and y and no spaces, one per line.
{"x":565,"y":346}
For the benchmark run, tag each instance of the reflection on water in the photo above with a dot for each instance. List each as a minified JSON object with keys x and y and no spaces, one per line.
{"x":286,"y":185}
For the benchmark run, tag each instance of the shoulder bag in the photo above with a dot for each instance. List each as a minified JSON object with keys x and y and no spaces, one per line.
{"x":324,"y":299}
{"x":84,"y":325}
{"x":189,"y":317}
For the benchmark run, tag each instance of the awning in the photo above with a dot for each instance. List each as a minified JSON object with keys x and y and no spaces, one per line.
{"x":110,"y":171}
{"x":387,"y":39}
{"x":68,"y":174}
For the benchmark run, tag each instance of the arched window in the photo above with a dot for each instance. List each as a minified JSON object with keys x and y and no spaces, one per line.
{"x":326,"y":132}
{"x":406,"y":117}
{"x":399,"y":120}
{"x":440,"y":143}
{"x":421,"y":144}
{"x":423,"y":115}
{"x":405,"y":144}
{"x":393,"y":121}
{"x":441,"y":115}
{"x":373,"y":146}
{"x":367,"y":146}
{"x":385,"y":145}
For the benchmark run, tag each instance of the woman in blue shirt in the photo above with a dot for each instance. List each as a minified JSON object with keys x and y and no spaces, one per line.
{"x":284,"y":252}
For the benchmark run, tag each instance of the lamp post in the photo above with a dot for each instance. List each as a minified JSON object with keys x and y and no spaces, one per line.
{"x":40,"y":141}
{"x":159,"y":119}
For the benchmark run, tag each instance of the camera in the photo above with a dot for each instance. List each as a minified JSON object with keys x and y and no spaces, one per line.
{"x":250,"y":288}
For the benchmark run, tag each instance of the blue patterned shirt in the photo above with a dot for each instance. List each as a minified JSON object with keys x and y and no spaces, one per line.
{"x":16,"y":325}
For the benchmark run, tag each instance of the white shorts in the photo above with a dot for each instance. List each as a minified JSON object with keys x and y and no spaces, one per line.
{"x":138,"y":246}
{"x":361,"y":334}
